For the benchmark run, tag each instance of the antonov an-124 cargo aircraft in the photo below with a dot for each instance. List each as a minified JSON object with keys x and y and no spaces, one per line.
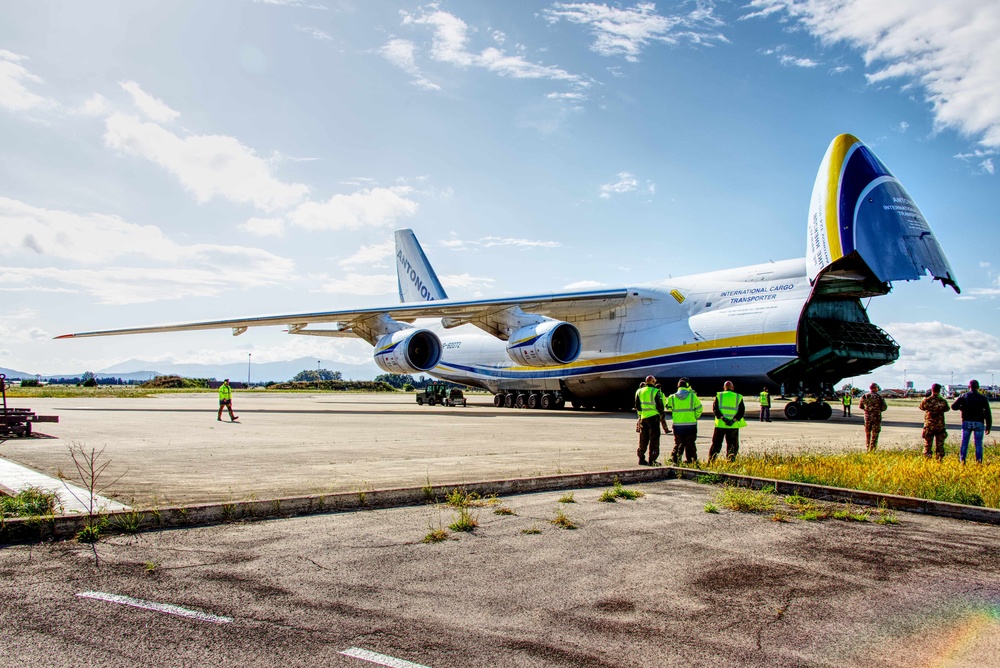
{"x":796,"y":326}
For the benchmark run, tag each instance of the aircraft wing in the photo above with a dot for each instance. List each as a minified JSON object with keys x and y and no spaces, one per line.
{"x":563,"y":306}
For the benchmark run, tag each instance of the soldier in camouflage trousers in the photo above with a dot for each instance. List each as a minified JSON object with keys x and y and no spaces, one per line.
{"x":872,"y":404}
{"x":934,"y":407}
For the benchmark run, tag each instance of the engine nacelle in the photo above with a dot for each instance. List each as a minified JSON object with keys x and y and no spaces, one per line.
{"x":547,"y":343}
{"x":408,"y":351}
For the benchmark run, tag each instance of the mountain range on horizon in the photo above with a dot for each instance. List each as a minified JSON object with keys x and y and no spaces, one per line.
{"x":136,"y":369}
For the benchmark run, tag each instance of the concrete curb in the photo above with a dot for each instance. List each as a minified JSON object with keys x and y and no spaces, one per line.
{"x":36,"y":529}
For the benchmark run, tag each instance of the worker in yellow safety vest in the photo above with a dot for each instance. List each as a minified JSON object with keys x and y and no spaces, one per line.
{"x":847,"y":400}
{"x":765,"y":405}
{"x":649,"y":406}
{"x":729,"y":410}
{"x":226,"y":401}
{"x":685,"y":408}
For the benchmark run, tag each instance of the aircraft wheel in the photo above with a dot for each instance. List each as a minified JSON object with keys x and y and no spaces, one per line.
{"x":533,"y":400}
{"x":498,"y":399}
{"x":821,"y":411}
{"x":795,"y":410}
{"x":508,"y":399}
{"x":547,"y":400}
{"x":520,"y":401}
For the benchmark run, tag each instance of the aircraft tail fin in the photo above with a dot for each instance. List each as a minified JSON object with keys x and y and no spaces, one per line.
{"x":860,"y":211}
{"x":414,"y":274}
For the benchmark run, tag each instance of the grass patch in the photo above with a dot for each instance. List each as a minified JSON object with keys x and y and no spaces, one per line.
{"x":746,"y":500}
{"x":711,"y":508}
{"x":620,"y":492}
{"x":708,"y":479}
{"x":503,"y":510}
{"x":562,"y":521}
{"x":779,"y":516}
{"x":849,"y":514}
{"x":814,"y":514}
{"x":465,"y":521}
{"x":435,"y":536}
{"x":29,"y":502}
{"x":900,"y":472}
{"x":128,"y":522}
{"x":531,"y":531}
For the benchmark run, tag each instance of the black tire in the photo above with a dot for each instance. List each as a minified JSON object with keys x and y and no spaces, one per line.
{"x":498,"y":399}
{"x":821,"y":411}
{"x":430,"y":401}
{"x":533,"y":400}
{"x":560,"y":402}
{"x":508,"y":399}
{"x":521,"y":400}
{"x":547,"y":400}
{"x":794,"y":410}
{"x":420,"y":401}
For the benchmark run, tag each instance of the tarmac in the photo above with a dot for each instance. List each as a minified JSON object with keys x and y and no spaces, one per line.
{"x":169,"y":449}
{"x":652,"y":582}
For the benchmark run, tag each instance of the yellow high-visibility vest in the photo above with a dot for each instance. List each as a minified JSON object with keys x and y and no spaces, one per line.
{"x":686,"y":410}
{"x":728,"y":403}
{"x":647,"y":401}
{"x":225,"y":392}
{"x":765,"y":399}
{"x":847,"y":399}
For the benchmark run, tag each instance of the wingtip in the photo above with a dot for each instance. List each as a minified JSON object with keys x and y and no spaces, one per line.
{"x":64,"y":336}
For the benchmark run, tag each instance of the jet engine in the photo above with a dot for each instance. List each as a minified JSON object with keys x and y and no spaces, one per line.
{"x":547,"y":343}
{"x":408,"y":351}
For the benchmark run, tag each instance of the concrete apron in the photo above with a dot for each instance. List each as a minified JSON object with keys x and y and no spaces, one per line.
{"x":35,"y":529}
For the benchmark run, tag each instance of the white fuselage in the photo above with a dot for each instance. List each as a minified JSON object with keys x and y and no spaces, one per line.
{"x":738,"y":324}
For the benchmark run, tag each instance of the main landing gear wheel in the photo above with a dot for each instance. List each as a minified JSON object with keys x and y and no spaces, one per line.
{"x":547,"y":400}
{"x":508,"y":399}
{"x":796,"y":410}
{"x":520,"y":401}
{"x":533,"y":400}
{"x":498,"y":399}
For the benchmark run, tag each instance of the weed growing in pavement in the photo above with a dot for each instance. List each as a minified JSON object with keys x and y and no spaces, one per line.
{"x":151,"y":567}
{"x":465,"y":521}
{"x":711,"y":508}
{"x":562,"y":521}
{"x":746,"y":500}
{"x":503,"y":510}
{"x":428,"y":490}
{"x":709,"y":479}
{"x":90,"y":533}
{"x":228,"y":512}
{"x":90,"y":471}
{"x":29,"y":502}
{"x":849,"y":514}
{"x":619,"y":492}
{"x":779,"y":516}
{"x":815,"y":514}
{"x":887,"y":518}
{"x":531,"y":531}
{"x":567,"y":498}
{"x":435,"y":536}
{"x":128,"y":522}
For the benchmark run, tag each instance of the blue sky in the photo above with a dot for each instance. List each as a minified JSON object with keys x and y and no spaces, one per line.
{"x":179,"y":161}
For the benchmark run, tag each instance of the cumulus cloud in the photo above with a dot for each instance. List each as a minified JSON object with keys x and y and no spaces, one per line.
{"x":583,"y":285}
{"x":626,"y":183}
{"x":627,"y":31}
{"x":121,"y":262}
{"x":206,"y":165}
{"x":376,"y":255}
{"x":934,"y":350}
{"x":467,"y":283}
{"x":375,"y":207}
{"x":14,"y":82}
{"x":949,"y":49}
{"x":264,"y":227}
{"x":362,"y":284}
{"x":151,"y":107}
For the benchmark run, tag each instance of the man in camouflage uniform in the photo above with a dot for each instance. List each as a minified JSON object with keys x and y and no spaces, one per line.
{"x":872,"y":404}
{"x":934,"y":408}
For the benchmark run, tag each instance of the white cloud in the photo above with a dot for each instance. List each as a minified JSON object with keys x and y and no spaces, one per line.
{"x":264,"y":227}
{"x":987,"y":166}
{"x":123,"y":263}
{"x":583,"y":285}
{"x":627,"y":31}
{"x":153,"y":108}
{"x":362,"y":284}
{"x":949,"y":49}
{"x":625,"y":183}
{"x":96,"y":105}
{"x":984,"y":158}
{"x":467,"y":282}
{"x":207,"y":165}
{"x":375,"y":207}
{"x":14,"y":81}
{"x":402,"y":54}
{"x":372,"y":256}
{"x":935,"y":350}
{"x":450,"y":45}
{"x":315,"y":33}
{"x":794,"y":61}
{"x":491,"y":242}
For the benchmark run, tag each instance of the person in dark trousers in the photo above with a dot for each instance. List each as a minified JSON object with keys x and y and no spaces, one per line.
{"x":729,"y":410}
{"x":847,"y":400}
{"x":765,"y":405}
{"x":976,"y":418}
{"x":649,"y":406}
{"x":226,"y":401}
{"x":934,"y":408}
{"x":685,"y":409}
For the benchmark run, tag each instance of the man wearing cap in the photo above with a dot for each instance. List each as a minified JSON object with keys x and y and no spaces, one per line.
{"x":934,"y":408}
{"x":976,"y":418}
{"x":729,"y":410}
{"x":685,"y":408}
{"x":649,"y":406}
{"x":873,"y":405}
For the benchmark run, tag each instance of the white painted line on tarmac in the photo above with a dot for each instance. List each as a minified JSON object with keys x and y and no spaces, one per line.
{"x":380,"y":659}
{"x":72,"y":498}
{"x":156,"y":607}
